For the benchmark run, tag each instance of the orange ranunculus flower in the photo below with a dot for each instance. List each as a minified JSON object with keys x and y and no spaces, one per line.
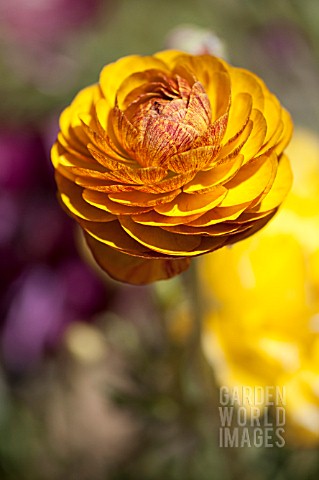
{"x":168,"y":157}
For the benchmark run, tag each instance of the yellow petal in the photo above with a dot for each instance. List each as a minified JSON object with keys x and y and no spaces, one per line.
{"x":192,"y":160}
{"x":153,"y":218}
{"x":219,"y":94}
{"x":239,"y":113}
{"x":248,"y":216}
{"x":250,"y":181}
{"x":140,"y":199}
{"x":210,"y":244}
{"x":159,"y":240}
{"x":134,"y":270}
{"x":222,"y":172}
{"x":234,"y":146}
{"x":220,"y":214}
{"x":102,"y":109}
{"x":115,"y":73}
{"x":188,"y":204}
{"x":103,"y":186}
{"x":213,"y":230}
{"x":131,"y":86}
{"x":272,"y":112}
{"x":101,"y":200}
{"x":66,"y":119}
{"x":256,"y":226}
{"x":126,"y":175}
{"x":203,"y":67}
{"x":169,"y":184}
{"x":104,"y":142}
{"x":143,"y":176}
{"x":257,"y":137}
{"x":280,"y":187}
{"x":68,"y":147}
{"x":243,"y":81}
{"x":275,"y":139}
{"x":71,"y":196}
{"x":113,"y":235}
{"x":92,"y":124}
{"x":287,"y":132}
{"x":72,"y":162}
{"x":70,"y":123}
{"x":107,"y":157}
{"x":169,"y":57}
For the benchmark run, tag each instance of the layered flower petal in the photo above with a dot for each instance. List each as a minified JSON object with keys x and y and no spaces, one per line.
{"x":168,"y":157}
{"x":129,"y":269}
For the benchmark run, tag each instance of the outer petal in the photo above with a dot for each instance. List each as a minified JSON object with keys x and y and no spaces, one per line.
{"x":134,"y":270}
{"x":256,"y":226}
{"x":70,"y":123}
{"x":280,"y":187}
{"x":287,"y":132}
{"x":250,"y":181}
{"x":190,"y":204}
{"x":113,"y":235}
{"x":71,"y":197}
{"x":239,"y":114}
{"x":243,"y":81}
{"x":219,"y":214}
{"x":157,"y":239}
{"x":101,"y":201}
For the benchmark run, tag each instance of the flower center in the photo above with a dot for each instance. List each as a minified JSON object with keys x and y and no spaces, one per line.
{"x":167,"y":121}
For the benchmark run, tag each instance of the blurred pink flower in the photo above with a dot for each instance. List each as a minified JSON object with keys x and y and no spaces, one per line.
{"x":34,"y":34}
{"x":45,"y":20}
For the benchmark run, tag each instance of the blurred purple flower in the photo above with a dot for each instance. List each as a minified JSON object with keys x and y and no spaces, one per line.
{"x":43,"y":302}
{"x":9,"y":217}
{"x":44,"y":285}
{"x":44,"y":230}
{"x":84,"y":291}
{"x":34,"y":317}
{"x":282,"y":43}
{"x":21,"y":155}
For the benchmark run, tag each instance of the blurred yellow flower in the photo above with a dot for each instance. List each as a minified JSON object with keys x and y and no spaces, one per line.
{"x":262,"y":326}
{"x":168,"y":157}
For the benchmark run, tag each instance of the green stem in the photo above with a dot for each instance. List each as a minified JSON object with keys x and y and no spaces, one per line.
{"x":195,"y":355}
{"x":207,"y":413}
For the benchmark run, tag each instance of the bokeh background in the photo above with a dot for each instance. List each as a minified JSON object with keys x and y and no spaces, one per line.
{"x":98,"y":380}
